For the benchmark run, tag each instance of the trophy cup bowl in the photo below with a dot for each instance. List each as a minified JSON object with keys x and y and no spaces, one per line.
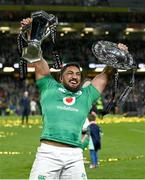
{"x":32,"y":52}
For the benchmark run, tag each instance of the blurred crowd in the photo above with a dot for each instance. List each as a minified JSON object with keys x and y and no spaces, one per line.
{"x":8,"y":50}
{"x":106,"y":3}
{"x":12,"y":90}
{"x":71,"y":48}
{"x":87,"y":17}
{"x":58,"y":2}
{"x":11,"y":93}
{"x":135,"y":101}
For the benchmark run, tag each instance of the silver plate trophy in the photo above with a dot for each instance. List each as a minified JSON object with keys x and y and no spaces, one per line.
{"x":42,"y":24}
{"x":108,"y":53}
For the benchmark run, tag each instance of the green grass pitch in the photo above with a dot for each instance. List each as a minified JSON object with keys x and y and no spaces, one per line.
{"x":122,"y":155}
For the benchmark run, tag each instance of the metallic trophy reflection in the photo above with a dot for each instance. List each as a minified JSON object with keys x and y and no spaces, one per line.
{"x":42,"y":24}
{"x":109,"y":54}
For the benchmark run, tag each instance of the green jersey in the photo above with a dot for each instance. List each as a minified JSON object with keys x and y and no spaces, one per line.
{"x":64,"y":112}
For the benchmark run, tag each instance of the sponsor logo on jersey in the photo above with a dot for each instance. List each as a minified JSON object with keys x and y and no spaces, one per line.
{"x":62,"y":90}
{"x":79,"y":93}
{"x":67,"y":108}
{"x":69,"y":100}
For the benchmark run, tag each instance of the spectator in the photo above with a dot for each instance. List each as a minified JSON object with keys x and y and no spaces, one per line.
{"x":33,"y":106}
{"x":25,"y":107}
{"x":95,"y":140}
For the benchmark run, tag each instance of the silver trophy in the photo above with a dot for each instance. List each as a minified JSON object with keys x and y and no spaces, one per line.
{"x":42,"y":26}
{"x":108,"y":53}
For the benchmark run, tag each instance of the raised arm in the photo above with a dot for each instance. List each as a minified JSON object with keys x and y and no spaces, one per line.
{"x":100,"y":81}
{"x":41,"y":66}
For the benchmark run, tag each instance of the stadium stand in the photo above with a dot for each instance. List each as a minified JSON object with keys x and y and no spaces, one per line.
{"x":109,"y":21}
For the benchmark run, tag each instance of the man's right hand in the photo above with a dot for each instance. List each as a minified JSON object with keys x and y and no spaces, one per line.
{"x":26,"y":22}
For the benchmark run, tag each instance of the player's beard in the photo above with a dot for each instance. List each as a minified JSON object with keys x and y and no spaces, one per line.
{"x":75,"y":89}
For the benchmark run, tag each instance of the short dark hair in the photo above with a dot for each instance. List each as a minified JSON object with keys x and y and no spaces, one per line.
{"x":91,"y":117}
{"x":67,"y":65}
